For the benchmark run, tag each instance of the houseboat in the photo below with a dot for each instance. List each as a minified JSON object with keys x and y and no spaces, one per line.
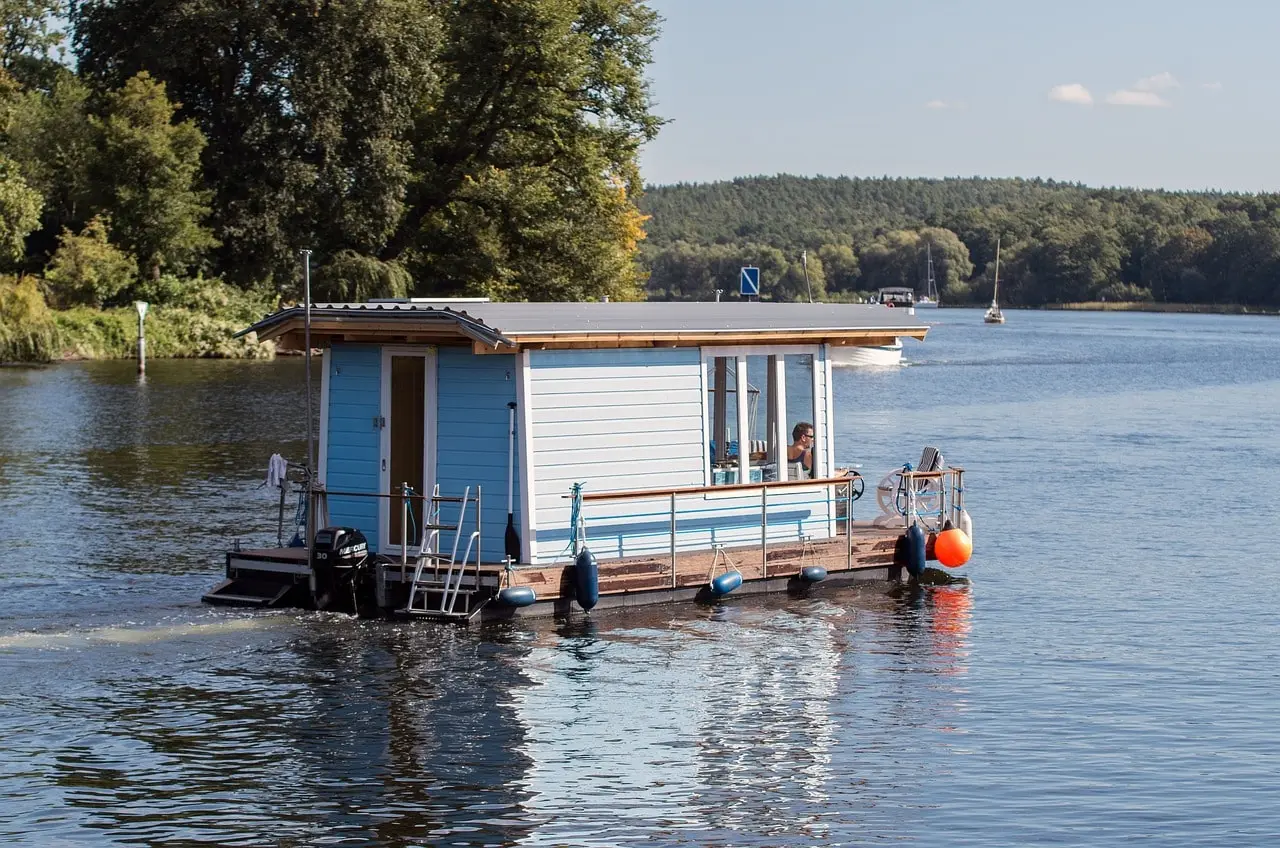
{"x":480,"y":460}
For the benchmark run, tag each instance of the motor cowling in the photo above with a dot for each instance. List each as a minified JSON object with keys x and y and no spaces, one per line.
{"x":337,"y":556}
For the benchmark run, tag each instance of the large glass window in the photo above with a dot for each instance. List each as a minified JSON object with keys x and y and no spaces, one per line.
{"x":802,"y":449}
{"x":760,"y":418}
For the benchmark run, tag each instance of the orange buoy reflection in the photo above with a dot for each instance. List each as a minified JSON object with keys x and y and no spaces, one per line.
{"x":951,"y":609}
{"x":950,"y":623}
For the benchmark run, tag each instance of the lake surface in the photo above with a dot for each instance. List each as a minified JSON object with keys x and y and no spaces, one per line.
{"x":1109,"y":674}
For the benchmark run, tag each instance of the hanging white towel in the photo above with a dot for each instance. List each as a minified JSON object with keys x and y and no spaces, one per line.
{"x":277,"y":472}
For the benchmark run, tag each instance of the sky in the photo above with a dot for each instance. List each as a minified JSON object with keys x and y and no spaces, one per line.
{"x":1176,"y":94}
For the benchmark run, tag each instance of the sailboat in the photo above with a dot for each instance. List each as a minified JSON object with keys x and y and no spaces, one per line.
{"x":930,"y":296}
{"x":994,"y":315}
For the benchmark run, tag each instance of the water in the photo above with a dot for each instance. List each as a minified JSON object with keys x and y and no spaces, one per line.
{"x":1108,"y":675}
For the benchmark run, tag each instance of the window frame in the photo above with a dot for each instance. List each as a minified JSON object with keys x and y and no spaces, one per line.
{"x":777,"y":405}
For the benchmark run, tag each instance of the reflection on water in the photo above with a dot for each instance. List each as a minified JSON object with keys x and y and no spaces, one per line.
{"x":1094,"y":684}
{"x":743,"y":724}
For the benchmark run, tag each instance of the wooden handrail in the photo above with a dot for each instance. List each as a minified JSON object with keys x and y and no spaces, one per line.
{"x":371,"y":495}
{"x":700,"y":490}
{"x":928,"y":475}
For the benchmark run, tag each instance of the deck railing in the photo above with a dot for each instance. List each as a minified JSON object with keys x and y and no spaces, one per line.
{"x":319,"y":505}
{"x":928,"y":497}
{"x":930,"y":494}
{"x":833,"y":493}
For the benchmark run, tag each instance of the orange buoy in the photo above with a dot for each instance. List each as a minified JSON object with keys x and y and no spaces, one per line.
{"x":953,"y":547}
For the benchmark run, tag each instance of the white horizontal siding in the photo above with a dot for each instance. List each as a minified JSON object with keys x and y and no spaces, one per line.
{"x":613,"y":420}
{"x":636,"y":385}
{"x":631,"y":420}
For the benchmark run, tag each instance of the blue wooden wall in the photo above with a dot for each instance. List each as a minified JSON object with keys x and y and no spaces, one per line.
{"x":352,"y":453}
{"x":471,"y":440}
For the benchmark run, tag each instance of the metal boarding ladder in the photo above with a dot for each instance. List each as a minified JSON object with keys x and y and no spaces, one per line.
{"x":430,"y":596}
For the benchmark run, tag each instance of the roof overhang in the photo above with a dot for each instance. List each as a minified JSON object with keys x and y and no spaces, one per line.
{"x":380,"y":324}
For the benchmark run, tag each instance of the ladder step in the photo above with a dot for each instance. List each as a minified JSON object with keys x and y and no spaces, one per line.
{"x":443,"y":499}
{"x":439,"y":527}
{"x":436,"y":557}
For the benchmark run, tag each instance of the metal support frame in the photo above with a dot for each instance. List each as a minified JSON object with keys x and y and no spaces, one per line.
{"x":764,"y":533}
{"x":673,"y":540}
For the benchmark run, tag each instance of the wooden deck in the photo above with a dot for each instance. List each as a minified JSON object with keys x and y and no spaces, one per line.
{"x":869,"y":548}
{"x":629,"y":581}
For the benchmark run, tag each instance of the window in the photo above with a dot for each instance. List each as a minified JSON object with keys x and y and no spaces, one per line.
{"x":798,"y":413}
{"x":755,"y":405}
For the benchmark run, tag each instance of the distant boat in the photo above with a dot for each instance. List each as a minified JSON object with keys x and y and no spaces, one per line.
{"x":892,"y":297}
{"x":994,"y":315}
{"x":930,"y":297}
{"x":880,"y":355}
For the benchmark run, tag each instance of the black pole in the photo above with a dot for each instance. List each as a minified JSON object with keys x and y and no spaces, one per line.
{"x":306,"y":333}
{"x":512,"y":541}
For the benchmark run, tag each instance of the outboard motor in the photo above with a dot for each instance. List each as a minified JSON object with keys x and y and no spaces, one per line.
{"x":338,"y":556}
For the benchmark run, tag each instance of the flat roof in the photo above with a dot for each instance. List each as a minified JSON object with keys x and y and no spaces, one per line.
{"x":506,"y":327}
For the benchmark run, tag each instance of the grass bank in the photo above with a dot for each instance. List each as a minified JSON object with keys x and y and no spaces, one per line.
{"x":1139,"y":306}
{"x":199,"y":323}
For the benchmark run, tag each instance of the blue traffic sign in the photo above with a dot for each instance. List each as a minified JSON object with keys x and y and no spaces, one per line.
{"x":749,"y":282}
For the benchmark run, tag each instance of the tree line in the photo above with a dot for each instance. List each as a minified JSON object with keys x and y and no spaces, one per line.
{"x":489,"y":147}
{"x":1060,"y":242}
{"x":419,"y":147}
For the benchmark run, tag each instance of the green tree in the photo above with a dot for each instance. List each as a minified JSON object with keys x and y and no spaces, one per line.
{"x":28,"y":32}
{"x":307,"y":109}
{"x":53,"y":139}
{"x":841,"y":266}
{"x":19,"y":212}
{"x":150,"y":172}
{"x":87,"y":270}
{"x":351,"y":277}
{"x":527,"y":168}
{"x":900,"y":258}
{"x":484,"y":145}
{"x":951,"y":264}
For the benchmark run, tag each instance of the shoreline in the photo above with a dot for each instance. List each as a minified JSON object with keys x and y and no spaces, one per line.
{"x":1135,"y":306}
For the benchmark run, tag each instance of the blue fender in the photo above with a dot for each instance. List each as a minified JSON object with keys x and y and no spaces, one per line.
{"x":726,"y":583}
{"x":915,"y":550}
{"x":586,"y":580}
{"x":813,"y":574}
{"x":517,"y":596}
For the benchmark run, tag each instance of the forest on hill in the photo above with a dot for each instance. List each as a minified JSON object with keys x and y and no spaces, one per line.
{"x":1060,"y":242}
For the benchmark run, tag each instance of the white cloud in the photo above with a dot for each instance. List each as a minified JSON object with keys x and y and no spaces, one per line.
{"x":1145,"y":92}
{"x":1072,"y":92}
{"x":944,"y":104}
{"x":1129,"y":97}
{"x":1160,"y":82}
{"x":1211,"y":86}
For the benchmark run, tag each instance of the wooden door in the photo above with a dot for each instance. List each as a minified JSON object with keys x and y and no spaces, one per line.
{"x":407,"y":455}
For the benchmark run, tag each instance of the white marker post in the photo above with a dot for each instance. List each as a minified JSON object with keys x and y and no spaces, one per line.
{"x":141,"y":306}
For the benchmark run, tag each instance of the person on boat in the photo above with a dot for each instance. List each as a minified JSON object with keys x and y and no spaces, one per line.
{"x":800,"y":451}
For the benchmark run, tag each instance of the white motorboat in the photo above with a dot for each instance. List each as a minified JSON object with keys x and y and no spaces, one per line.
{"x":881,"y":355}
{"x":891,"y":297}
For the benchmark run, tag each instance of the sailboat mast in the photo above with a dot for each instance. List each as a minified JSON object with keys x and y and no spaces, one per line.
{"x":995,"y":290}
{"x":930,"y":287}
